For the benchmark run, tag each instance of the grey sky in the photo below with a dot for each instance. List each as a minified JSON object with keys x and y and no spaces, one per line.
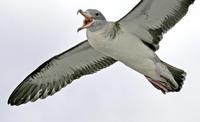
{"x":32,"y":31}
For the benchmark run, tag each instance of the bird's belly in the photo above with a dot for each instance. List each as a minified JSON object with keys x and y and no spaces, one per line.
{"x":128,"y":49}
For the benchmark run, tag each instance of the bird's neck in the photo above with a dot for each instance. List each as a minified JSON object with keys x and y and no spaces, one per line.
{"x":98,"y":25}
{"x":105,"y":29}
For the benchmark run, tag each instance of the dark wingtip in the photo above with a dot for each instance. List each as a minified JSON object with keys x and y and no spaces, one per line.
{"x":16,"y":98}
{"x":11,"y":101}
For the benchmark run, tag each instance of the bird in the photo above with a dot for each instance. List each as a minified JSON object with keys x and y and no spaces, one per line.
{"x":132,"y":40}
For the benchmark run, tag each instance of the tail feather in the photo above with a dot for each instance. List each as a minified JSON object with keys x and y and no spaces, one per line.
{"x":178,"y":74}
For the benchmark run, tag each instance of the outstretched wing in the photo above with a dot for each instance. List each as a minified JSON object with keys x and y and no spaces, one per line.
{"x":151,"y":18}
{"x":59,"y":71}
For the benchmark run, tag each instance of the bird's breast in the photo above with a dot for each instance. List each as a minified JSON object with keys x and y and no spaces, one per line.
{"x":125,"y":47}
{"x":99,"y":40}
{"x":119,"y":46}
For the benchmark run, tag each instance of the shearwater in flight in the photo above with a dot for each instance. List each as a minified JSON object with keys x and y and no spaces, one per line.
{"x":132,"y":40}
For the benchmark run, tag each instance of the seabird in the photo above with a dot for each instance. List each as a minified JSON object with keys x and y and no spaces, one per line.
{"x":133,"y":40}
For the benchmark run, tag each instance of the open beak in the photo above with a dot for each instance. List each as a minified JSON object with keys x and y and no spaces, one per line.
{"x":88,"y":21}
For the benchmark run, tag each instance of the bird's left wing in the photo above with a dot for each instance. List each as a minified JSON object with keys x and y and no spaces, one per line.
{"x":59,"y":71}
{"x":149,"y":19}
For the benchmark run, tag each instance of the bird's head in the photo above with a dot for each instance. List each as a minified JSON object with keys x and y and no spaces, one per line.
{"x":94,"y":19}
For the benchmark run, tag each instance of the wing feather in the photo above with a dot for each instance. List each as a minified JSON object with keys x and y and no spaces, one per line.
{"x":59,"y":71}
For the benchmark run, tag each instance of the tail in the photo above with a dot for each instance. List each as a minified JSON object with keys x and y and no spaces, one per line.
{"x":172,"y":78}
{"x":178,"y":74}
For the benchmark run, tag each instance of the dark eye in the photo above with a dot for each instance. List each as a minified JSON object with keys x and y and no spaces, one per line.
{"x":97,"y":14}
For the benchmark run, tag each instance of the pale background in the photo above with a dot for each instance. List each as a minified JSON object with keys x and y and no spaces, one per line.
{"x":32,"y":31}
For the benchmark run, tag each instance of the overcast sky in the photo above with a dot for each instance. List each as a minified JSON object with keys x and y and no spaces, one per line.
{"x":32,"y":31}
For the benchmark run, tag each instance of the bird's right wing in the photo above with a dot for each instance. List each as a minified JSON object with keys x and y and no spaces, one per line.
{"x":59,"y":71}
